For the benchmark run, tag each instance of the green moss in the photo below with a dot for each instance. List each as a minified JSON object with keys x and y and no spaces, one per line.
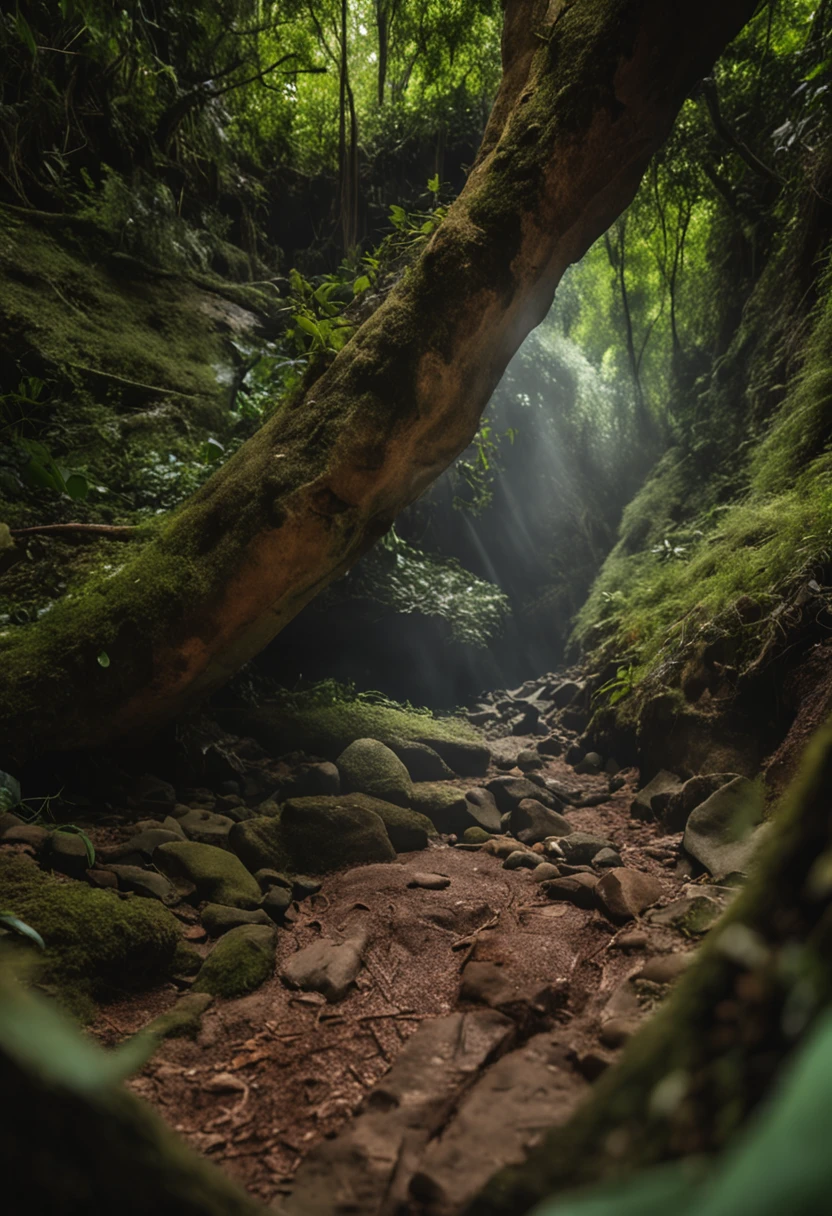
{"x":326,"y":730}
{"x":241,"y":961}
{"x":95,"y":941}
{"x":314,"y":836}
{"x":218,"y":875}
{"x":183,"y":1020}
{"x":369,"y":767}
{"x":475,"y":836}
{"x":408,"y":830}
{"x":187,"y":960}
{"x":444,"y":805}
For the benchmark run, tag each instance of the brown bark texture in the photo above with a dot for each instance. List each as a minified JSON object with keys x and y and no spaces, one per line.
{"x":590,"y":90}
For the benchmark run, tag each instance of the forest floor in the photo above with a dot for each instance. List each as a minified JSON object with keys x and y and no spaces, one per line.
{"x":485,"y":1004}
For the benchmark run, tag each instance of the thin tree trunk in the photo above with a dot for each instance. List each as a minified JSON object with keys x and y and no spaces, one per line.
{"x":589,"y":91}
{"x":383,"y":31}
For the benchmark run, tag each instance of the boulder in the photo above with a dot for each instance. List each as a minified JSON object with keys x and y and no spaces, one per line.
{"x":445,"y":806}
{"x":664,"y":782}
{"x":314,"y":836}
{"x":218,"y":875}
{"x":564,"y":694}
{"x":66,"y":852}
{"x":241,"y":961}
{"x":529,"y":759}
{"x":623,"y":894}
{"x":423,"y":763}
{"x":466,"y":759}
{"x":370,"y":767}
{"x":531,"y":822}
{"x":677,"y":809}
{"x":723,"y":832}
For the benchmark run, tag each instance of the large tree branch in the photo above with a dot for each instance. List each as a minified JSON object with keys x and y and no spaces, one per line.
{"x":590,"y":91}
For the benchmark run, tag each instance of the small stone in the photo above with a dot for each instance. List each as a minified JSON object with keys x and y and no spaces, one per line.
{"x":632,"y":941}
{"x":486,"y":984}
{"x":545,"y":871}
{"x":616,"y":784}
{"x":241,"y":961}
{"x":606,"y":858}
{"x":139,"y":849}
{"x":272,"y":878}
{"x":475,"y":836}
{"x":326,"y":967}
{"x":219,"y":919}
{"x":665,"y":968}
{"x":578,"y":889}
{"x":103,"y":879}
{"x":147,"y":883}
{"x":28,"y":833}
{"x":501,"y":847}
{"x":590,"y":764}
{"x":529,"y":759}
{"x":509,"y":792}
{"x":663,"y":783}
{"x":522,"y":859}
{"x":276,"y":903}
{"x":303,"y":887}
{"x":429,"y":882}
{"x":67,"y":853}
{"x":552,"y":746}
{"x":592,"y":1064}
{"x":194,"y":933}
{"x":617,"y":1032}
{"x":483,"y":809}
{"x":624,"y":894}
{"x":693,"y":915}
{"x":206,"y":827}
{"x":579,"y":848}
{"x":183,"y":1020}
{"x":531,"y":822}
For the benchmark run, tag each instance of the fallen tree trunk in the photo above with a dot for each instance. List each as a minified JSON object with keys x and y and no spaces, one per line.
{"x":589,"y":91}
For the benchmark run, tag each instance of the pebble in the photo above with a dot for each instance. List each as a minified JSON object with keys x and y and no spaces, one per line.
{"x":545,"y":871}
{"x":624,"y":894}
{"x":578,"y":889}
{"x":522,"y":859}
{"x":429,"y":882}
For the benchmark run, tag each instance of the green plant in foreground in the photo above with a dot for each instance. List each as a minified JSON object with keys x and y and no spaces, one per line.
{"x":619,"y":687}
{"x":8,"y":920}
{"x":72,"y":830}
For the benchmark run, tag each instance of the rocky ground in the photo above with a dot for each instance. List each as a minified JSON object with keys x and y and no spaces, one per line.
{"x":383,"y":980}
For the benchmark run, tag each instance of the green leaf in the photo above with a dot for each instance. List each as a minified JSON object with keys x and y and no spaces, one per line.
{"x":24,"y":33}
{"x":103,"y":659}
{"x":211,"y":451}
{"x":433,"y":184}
{"x":20,"y":927}
{"x":77,"y":485}
{"x":361,"y":284}
{"x":71,"y":830}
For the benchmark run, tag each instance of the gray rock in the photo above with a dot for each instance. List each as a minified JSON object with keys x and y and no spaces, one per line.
{"x":579,"y":848}
{"x":724,"y":831}
{"x":606,"y":858}
{"x":483,"y":809}
{"x":28,"y":833}
{"x":591,"y":763}
{"x":529,"y":759}
{"x":422,"y":762}
{"x":663,"y":783}
{"x":429,"y":882}
{"x":466,"y":759}
{"x":566,"y":692}
{"x":267,"y":877}
{"x":206,"y":827}
{"x":66,"y":853}
{"x":328,"y":967}
{"x":623,"y":894}
{"x":276,"y":903}
{"x":171,"y":824}
{"x":147,"y":883}
{"x":139,"y":849}
{"x":509,"y":792}
{"x":523,"y":859}
{"x":691,"y":914}
{"x":531,"y":822}
{"x":545,"y":871}
{"x":303,"y":887}
{"x":693,"y":793}
{"x":370,"y":767}
{"x":551,"y":746}
{"x":219,"y":918}
{"x":578,"y":889}
{"x":486,"y":984}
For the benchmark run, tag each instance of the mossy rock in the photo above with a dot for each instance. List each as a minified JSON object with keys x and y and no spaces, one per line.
{"x":422,"y":762}
{"x":241,"y":961}
{"x":183,"y":1020}
{"x":313,"y":836}
{"x":187,"y":960}
{"x":408,"y":830}
{"x":370,"y":767}
{"x":218,"y":875}
{"x":475,"y":836}
{"x":95,"y":941}
{"x":326,"y":730}
{"x":446,"y":807}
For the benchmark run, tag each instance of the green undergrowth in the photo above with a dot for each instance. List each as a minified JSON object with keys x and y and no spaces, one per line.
{"x":96,"y":943}
{"x":705,"y":535}
{"x":327,"y":717}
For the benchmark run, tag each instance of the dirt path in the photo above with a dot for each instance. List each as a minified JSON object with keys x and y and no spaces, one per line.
{"x":480,"y":1015}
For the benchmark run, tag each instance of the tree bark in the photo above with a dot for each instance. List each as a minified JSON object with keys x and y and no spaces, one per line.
{"x":590,"y":90}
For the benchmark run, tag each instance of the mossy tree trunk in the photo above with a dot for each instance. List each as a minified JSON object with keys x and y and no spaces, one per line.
{"x":589,"y":91}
